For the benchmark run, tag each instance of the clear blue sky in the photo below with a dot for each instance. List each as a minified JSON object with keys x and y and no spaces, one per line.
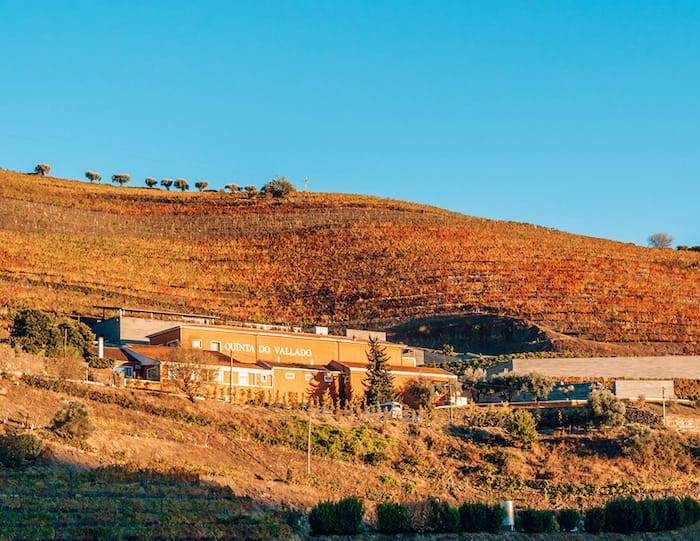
{"x":583,"y":116}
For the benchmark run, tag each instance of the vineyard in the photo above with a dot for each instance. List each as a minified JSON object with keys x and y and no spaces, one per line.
{"x":330,"y":259}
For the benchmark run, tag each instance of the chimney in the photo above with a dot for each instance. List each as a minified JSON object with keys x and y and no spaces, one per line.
{"x":101,"y":347}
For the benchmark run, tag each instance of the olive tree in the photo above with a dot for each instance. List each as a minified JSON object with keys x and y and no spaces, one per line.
{"x":150,"y":182}
{"x":201,"y":185}
{"x":278,"y":187}
{"x":182,"y":185}
{"x":606,"y":408}
{"x":166,"y":183}
{"x":92,"y":176}
{"x":121,"y":178}
{"x":42,"y":169}
{"x":232,"y":187}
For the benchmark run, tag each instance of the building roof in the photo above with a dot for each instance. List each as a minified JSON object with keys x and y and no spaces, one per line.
{"x":115,"y":354}
{"x":416,"y":371}
{"x":298,"y":366}
{"x":285,"y":334}
{"x":160,"y":354}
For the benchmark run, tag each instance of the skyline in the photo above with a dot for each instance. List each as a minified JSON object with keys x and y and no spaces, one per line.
{"x":579,"y":117}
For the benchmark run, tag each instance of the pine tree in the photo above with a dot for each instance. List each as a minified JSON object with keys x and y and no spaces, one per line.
{"x":379,"y":383}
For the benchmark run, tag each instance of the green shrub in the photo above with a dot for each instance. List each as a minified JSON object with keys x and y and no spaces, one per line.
{"x":623,"y":515}
{"x":343,"y":517}
{"x":606,"y":409}
{"x":17,"y":449}
{"x":441,"y":517}
{"x":536,"y":521}
{"x":479,"y":517}
{"x":594,"y":522}
{"x":675,"y":514}
{"x":73,"y":421}
{"x":692,"y":510}
{"x":393,"y":518}
{"x":661,"y":515}
{"x":522,"y":427}
{"x":650,"y":517}
{"x":568,"y":519}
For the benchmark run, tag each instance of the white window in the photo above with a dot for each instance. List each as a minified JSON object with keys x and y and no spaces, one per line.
{"x":220,"y":376}
{"x":243,"y":378}
{"x":308,"y":377}
{"x":328,"y":378}
{"x":216,"y":346}
{"x":263,"y":378}
{"x":196,"y":344}
{"x":289,"y":375}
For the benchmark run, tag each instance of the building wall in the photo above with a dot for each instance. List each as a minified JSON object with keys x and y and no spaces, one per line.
{"x":607,"y":367}
{"x":650,"y":389}
{"x":251,"y":346}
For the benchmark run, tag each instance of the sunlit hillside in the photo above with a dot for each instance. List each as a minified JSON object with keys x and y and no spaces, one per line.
{"x":330,"y":258}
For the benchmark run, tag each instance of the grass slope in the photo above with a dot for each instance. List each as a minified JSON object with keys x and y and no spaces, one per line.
{"x":331,"y":258}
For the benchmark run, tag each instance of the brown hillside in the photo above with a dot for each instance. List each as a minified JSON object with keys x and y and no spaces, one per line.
{"x":331,"y":258}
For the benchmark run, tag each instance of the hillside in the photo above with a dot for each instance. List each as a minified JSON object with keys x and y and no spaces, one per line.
{"x":339,"y":260}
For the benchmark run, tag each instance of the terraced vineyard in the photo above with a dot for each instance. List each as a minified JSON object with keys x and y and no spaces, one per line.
{"x":330,"y":258}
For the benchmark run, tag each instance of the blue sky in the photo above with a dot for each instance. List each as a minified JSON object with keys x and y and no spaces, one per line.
{"x":583,"y":116}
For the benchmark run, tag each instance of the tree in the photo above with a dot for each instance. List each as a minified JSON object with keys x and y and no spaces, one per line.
{"x":508,"y":384}
{"x":120,"y":178}
{"x":166,"y":182}
{"x":232,"y":187}
{"x":379,"y":383}
{"x":448,"y":349}
{"x":191,"y":371}
{"x":606,"y":408}
{"x":36,"y":331}
{"x":419,"y":393}
{"x":660,"y":240}
{"x":538,"y":385}
{"x":474,"y":381}
{"x":251,"y":190}
{"x":73,"y":421}
{"x":278,"y":187}
{"x":181,"y":184}
{"x":521,"y":427}
{"x":42,"y":169}
{"x":150,"y":182}
{"x":201,"y":185}
{"x":92,"y":176}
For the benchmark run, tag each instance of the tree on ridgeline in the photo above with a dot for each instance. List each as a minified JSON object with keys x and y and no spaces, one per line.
{"x":182,"y":185}
{"x":201,"y":185}
{"x":232,"y":187}
{"x":92,"y":176}
{"x":120,"y":178}
{"x":251,"y":190}
{"x":278,"y":187}
{"x":150,"y":182}
{"x":379,"y":383}
{"x":42,"y":169}
{"x":166,"y":183}
{"x":660,"y":240}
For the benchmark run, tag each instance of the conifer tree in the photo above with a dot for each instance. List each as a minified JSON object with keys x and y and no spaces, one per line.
{"x":379,"y":383}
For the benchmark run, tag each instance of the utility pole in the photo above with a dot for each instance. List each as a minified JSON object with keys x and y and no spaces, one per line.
{"x":663,"y":403}
{"x":308,"y":445}
{"x":306,"y":184}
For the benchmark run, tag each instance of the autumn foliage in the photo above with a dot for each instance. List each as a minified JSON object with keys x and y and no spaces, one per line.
{"x":326,"y":258}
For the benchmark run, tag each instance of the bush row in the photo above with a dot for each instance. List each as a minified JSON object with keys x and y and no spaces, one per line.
{"x":624,"y":515}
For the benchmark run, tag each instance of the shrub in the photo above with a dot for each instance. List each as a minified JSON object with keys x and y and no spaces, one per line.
{"x":17,"y":449}
{"x":606,"y":408}
{"x":393,"y":518}
{"x":343,"y":517}
{"x":650,"y":516}
{"x":73,"y":421}
{"x":623,"y":515}
{"x":479,"y":517}
{"x":568,"y":519}
{"x":537,"y":521}
{"x":522,"y":427}
{"x":441,"y":517}
{"x":594,"y":521}
{"x":675,"y":514}
{"x":692,"y":510}
{"x":661,"y":514}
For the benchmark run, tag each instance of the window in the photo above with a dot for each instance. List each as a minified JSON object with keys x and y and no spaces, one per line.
{"x":128,"y":371}
{"x":328,"y":378}
{"x":151,"y":374}
{"x":308,"y":377}
{"x":216,"y":346}
{"x":263,"y":378}
{"x":196,"y":343}
{"x":243,"y":378}
{"x":220,"y":376}
{"x":289,"y":375}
